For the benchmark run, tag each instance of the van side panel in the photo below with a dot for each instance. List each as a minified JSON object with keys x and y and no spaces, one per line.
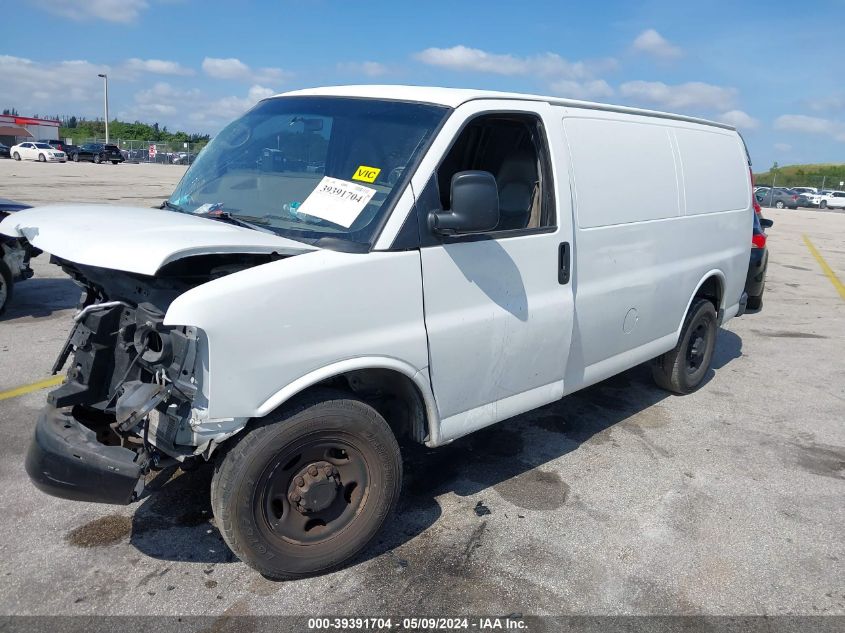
{"x":271,"y":325}
{"x":714,"y":170}
{"x":638,"y":256}
{"x":716,"y":183}
{"x":624,"y":171}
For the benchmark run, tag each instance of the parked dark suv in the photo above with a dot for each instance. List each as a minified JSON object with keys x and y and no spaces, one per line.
{"x":67,"y":148}
{"x":55,"y":144}
{"x":755,"y":281}
{"x":98,"y":153}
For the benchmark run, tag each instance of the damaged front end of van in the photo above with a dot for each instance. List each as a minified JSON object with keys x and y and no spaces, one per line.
{"x":135,"y":396}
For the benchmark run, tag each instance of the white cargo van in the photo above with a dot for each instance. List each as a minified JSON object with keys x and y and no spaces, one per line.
{"x":344,"y":269}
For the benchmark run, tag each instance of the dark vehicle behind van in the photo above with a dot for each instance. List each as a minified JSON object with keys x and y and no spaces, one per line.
{"x":98,"y":153}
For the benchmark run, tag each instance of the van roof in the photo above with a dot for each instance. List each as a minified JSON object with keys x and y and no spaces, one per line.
{"x":453,"y":97}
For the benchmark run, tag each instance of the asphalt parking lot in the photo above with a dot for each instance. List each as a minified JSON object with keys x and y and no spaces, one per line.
{"x":621,"y":499}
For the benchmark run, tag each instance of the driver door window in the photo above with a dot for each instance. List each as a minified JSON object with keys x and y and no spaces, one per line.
{"x":512,"y":148}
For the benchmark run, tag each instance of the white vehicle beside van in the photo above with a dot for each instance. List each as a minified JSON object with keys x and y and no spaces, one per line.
{"x":460,"y":258}
{"x":42,"y":152}
{"x":832,"y":199}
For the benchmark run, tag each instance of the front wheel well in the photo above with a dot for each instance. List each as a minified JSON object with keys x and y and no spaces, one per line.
{"x":393,"y":394}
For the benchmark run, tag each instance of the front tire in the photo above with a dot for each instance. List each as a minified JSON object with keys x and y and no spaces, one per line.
{"x":41,"y":158}
{"x":16,"y":156}
{"x":6,"y":286}
{"x":823,"y":204}
{"x":97,"y":159}
{"x":115,"y":162}
{"x":307,"y":488}
{"x":682,"y":369}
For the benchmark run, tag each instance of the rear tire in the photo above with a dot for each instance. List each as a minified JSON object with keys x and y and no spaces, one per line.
{"x":6,"y":286}
{"x":76,"y":158}
{"x":115,"y":162}
{"x":754,"y":303}
{"x":779,"y":204}
{"x":97,"y":159}
{"x":275,"y":502}
{"x":682,"y":369}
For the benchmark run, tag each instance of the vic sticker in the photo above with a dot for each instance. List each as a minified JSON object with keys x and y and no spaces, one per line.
{"x":366,"y":174}
{"x":337,"y":201}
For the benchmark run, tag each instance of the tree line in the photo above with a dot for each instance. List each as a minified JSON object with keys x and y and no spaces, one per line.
{"x":803,"y":175}
{"x":81,"y":128}
{"x":74,"y":127}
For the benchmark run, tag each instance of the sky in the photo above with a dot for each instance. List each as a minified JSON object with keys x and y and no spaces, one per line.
{"x":774,"y":70}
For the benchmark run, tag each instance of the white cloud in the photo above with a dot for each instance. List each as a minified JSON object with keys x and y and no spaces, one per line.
{"x":811,"y":125}
{"x":123,"y":11}
{"x":833,"y":102}
{"x":157,"y":66}
{"x":191,"y":109}
{"x":549,"y":65}
{"x":590,"y":89}
{"x":740,"y":119}
{"x":803,"y":123}
{"x":233,"y":68}
{"x":691,"y":95}
{"x":163,"y":100}
{"x":228,"y":68}
{"x":370,"y":69}
{"x":653,"y":43}
{"x":52,"y":88}
{"x":257,"y":93}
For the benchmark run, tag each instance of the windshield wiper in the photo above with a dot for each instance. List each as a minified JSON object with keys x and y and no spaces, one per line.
{"x":169,"y":205}
{"x":225,"y":216}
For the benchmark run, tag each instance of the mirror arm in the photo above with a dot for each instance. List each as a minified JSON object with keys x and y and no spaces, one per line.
{"x":435,"y":218}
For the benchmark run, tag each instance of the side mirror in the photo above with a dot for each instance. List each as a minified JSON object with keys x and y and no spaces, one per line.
{"x":766,"y":223}
{"x":474,"y":198}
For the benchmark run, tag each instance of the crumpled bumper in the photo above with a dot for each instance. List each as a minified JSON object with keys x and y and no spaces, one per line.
{"x":66,"y":460}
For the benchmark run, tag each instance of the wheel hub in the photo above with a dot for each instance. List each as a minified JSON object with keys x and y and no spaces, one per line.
{"x":695,"y":350}
{"x":315,"y":487}
{"x":697,"y":347}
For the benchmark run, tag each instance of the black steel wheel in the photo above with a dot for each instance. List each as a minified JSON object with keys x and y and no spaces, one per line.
{"x":306,"y":489}
{"x":682,"y":369}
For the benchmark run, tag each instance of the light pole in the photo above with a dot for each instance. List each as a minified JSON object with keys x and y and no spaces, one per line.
{"x":106,"y":101}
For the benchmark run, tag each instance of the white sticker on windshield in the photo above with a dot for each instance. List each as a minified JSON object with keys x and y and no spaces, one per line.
{"x":338,"y":201}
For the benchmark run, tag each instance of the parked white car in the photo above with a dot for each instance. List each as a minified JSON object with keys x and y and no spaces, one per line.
{"x":459,"y":260}
{"x":42,"y":152}
{"x":833,"y":200}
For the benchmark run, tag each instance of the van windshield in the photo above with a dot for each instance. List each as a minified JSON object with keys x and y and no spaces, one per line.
{"x":311,"y":168}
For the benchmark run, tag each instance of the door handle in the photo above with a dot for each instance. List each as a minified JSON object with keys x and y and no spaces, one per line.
{"x":563,"y":263}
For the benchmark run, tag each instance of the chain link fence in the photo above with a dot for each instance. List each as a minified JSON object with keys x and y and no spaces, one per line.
{"x":161,"y":152}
